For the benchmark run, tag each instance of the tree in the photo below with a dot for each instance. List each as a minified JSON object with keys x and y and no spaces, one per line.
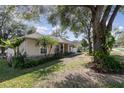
{"x":88,"y":33}
{"x":31,"y":30}
{"x":102,"y":18}
{"x":75,"y":19}
{"x":47,"y":41}
{"x":84,"y":43}
{"x":14,"y":43}
{"x":120,"y":40}
{"x":58,"y":32}
{"x":12,"y":18}
{"x":5,"y":18}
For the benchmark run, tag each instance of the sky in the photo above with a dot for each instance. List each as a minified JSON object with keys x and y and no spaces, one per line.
{"x":44,"y":27}
{"x":119,"y":21}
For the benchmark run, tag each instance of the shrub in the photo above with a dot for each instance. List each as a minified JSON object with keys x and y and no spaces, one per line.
{"x":18,"y":61}
{"x":110,"y":65}
{"x":67,"y":53}
{"x":32,"y":63}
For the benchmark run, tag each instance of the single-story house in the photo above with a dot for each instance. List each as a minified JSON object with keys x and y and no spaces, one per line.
{"x":32,"y":49}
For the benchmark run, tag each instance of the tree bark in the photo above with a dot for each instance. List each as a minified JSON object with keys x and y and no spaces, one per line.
{"x":98,"y":44}
{"x":2,"y":50}
{"x":89,"y":38}
{"x":113,"y":16}
{"x":102,"y":23}
{"x":98,"y":35}
{"x":90,"y":43}
{"x":100,"y":31}
{"x":50,"y":49}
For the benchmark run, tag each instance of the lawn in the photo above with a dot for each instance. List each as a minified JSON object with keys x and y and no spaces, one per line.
{"x":10,"y":77}
{"x":65,"y":72}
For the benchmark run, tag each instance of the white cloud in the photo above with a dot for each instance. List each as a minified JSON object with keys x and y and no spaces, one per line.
{"x":41,"y":30}
{"x":121,"y":27}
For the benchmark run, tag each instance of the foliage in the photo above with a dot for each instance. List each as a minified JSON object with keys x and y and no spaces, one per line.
{"x":35,"y":62}
{"x":110,"y":65}
{"x":17,"y":41}
{"x":110,"y":40}
{"x":31,"y":30}
{"x":117,"y":32}
{"x":70,"y":17}
{"x":31,"y":13}
{"x":18,"y":61}
{"x":84,"y":43}
{"x":58,"y":32}
{"x":12,"y":43}
{"x":120,"y":40}
{"x":32,"y":63}
{"x":9,"y":27}
{"x":46,"y":41}
{"x":6,"y":15}
{"x":29,"y":77}
{"x":11,"y":23}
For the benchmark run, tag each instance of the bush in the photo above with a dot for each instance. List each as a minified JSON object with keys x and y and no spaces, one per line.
{"x":21,"y":62}
{"x":79,"y":50}
{"x":18,"y":61}
{"x":110,"y":65}
{"x":32,"y":63}
{"x":67,"y":53}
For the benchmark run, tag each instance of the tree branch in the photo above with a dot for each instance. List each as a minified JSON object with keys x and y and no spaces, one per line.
{"x":106,"y":14}
{"x":113,"y":16}
{"x":91,"y":7}
{"x":99,"y":12}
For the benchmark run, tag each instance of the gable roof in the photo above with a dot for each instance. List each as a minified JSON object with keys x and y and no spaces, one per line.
{"x":33,"y":36}
{"x":38,"y":35}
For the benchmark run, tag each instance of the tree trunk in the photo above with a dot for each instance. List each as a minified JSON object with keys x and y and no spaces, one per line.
{"x":98,"y":35}
{"x":101,"y":29}
{"x":89,"y":41}
{"x":99,"y":39}
{"x":50,"y":49}
{"x":100,"y":49}
{"x":17,"y":51}
{"x":2,"y":50}
{"x":45,"y":51}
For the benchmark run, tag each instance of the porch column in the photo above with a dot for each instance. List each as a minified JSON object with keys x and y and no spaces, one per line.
{"x":63,"y":48}
{"x":68,"y":48}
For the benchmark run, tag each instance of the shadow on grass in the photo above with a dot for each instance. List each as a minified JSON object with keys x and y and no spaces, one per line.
{"x":93,"y":80}
{"x":7,"y":73}
{"x":75,"y":81}
{"x":87,"y":81}
{"x":42,"y":73}
{"x":72,"y":55}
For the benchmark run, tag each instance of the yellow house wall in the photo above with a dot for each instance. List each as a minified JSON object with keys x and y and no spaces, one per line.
{"x":32,"y":49}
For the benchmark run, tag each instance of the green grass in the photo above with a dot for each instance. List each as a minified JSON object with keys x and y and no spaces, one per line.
{"x":27,"y":78}
{"x":10,"y":77}
{"x":115,"y":85}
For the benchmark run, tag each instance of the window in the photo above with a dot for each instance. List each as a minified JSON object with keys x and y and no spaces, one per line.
{"x":43,"y":50}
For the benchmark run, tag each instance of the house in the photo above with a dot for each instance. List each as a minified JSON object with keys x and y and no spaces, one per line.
{"x":32,"y":49}
{"x":76,"y":44}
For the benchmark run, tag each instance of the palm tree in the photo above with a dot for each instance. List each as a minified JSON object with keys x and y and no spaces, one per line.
{"x":46,"y":41}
